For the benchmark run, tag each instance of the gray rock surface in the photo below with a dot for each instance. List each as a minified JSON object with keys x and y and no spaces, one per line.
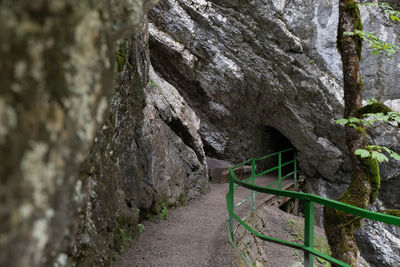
{"x":248,"y":68}
{"x":231,"y":69}
{"x":370,"y":238}
{"x":273,"y":222}
{"x":147,"y":157}
{"x":57,"y":76}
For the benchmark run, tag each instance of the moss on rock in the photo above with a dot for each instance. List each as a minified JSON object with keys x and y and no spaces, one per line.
{"x":375,"y":107}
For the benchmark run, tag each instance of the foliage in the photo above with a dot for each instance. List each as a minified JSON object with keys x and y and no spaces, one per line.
{"x":164,"y":212}
{"x":122,"y":237}
{"x":369,"y":119}
{"x":140,"y":228}
{"x":394,"y":15}
{"x":379,"y":46}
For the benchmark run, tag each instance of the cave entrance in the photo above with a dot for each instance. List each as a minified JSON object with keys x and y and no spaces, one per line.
{"x":273,"y":141}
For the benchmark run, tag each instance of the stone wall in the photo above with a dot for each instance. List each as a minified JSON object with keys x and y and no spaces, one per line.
{"x":58,"y":68}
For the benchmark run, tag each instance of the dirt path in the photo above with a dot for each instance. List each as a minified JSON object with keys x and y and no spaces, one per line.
{"x":193,"y":235}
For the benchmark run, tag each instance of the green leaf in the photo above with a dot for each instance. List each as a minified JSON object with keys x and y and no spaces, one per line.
{"x":342,"y":121}
{"x":395,"y":156}
{"x":375,"y":52}
{"x":354,"y":120}
{"x":363,"y":153}
{"x":352,"y":125}
{"x":371,"y":100}
{"x":387,"y":150}
{"x":379,"y":156}
{"x":349,"y":33}
{"x":373,"y":147}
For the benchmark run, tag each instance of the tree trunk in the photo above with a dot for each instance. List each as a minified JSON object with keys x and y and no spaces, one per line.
{"x":361,"y":191}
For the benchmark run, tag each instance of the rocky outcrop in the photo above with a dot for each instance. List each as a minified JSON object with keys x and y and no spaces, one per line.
{"x":57,"y":77}
{"x":250,"y":67}
{"x":147,"y":157}
{"x":228,"y":64}
{"x":370,"y":239}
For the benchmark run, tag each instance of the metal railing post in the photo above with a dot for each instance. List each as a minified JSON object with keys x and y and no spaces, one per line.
{"x":253,"y":180}
{"x":279,"y":172}
{"x":308,"y":232}
{"x":295,"y":169}
{"x":231,"y":198}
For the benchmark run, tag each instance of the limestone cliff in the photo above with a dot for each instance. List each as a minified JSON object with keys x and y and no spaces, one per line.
{"x":251,"y":67}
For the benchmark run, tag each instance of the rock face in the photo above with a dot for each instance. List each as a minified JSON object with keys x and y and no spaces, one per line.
{"x":273,"y":222}
{"x":249,"y":68}
{"x":370,"y":239}
{"x":57,"y":75}
{"x":147,"y":157}
{"x":228,"y":64}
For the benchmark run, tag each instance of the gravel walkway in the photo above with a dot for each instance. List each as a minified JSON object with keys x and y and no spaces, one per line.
{"x":193,"y":235}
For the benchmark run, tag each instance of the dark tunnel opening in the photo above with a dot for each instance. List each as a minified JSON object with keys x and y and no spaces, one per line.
{"x":272,"y":141}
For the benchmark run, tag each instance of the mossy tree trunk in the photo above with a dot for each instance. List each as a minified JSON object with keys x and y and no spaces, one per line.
{"x":365,"y":175}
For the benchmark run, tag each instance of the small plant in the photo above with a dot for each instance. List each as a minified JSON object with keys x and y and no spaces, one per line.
{"x":137,"y":212}
{"x":164,"y":212}
{"x":140,"y":228}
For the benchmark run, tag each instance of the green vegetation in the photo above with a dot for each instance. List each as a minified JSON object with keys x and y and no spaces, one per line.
{"x":368,"y":116}
{"x":373,"y":108}
{"x":159,"y":209}
{"x":182,"y":199}
{"x":122,"y":57}
{"x":394,"y":15}
{"x":365,"y":179}
{"x":122,"y":233}
{"x":121,"y":237}
{"x":378,"y":46}
{"x":164,"y":212}
{"x":140,"y":228}
{"x":346,"y":37}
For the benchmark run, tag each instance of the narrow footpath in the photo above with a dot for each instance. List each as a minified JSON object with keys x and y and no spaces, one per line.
{"x":193,"y":235}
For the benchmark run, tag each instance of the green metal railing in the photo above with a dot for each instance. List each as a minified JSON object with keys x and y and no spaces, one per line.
{"x":309,"y":201}
{"x":278,"y":168}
